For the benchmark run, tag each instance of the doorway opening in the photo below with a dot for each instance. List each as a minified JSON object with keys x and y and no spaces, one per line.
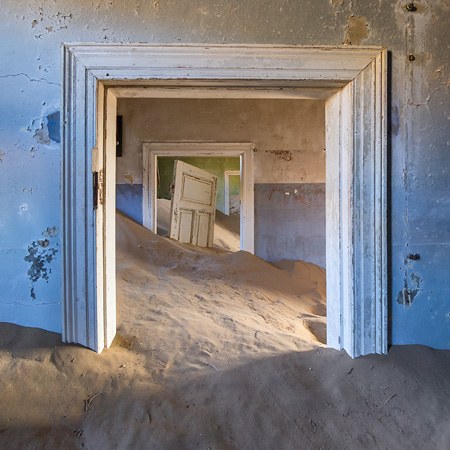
{"x":284,"y":140}
{"x":211,"y":155}
{"x":232,"y":192}
{"x":353,"y":83}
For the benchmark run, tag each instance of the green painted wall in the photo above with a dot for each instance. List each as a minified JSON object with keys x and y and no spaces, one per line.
{"x":217,"y":166}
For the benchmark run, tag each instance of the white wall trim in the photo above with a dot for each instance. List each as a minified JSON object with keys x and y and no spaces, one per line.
{"x":357,"y":317}
{"x":152,"y":150}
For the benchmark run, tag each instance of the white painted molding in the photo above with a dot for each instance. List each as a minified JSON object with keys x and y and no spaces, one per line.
{"x":227,"y":92}
{"x":232,"y":62}
{"x":357,"y":318}
{"x":152,"y":150}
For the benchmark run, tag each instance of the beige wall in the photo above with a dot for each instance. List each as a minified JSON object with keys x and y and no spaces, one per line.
{"x":289,"y":134}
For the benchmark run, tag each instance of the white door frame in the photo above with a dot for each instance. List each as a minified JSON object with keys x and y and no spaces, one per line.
{"x":244,"y":150}
{"x":226,"y":194}
{"x":356,"y":149}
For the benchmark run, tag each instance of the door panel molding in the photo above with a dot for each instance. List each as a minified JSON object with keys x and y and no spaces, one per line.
{"x":353,"y":78}
{"x":195,"y":192}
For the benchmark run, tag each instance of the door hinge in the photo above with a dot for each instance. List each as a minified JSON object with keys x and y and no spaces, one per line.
{"x":97,"y":184}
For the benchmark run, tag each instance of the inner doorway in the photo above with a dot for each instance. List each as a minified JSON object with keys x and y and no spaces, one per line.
{"x":238,"y":153}
{"x":353,"y":80}
{"x":232,"y":192}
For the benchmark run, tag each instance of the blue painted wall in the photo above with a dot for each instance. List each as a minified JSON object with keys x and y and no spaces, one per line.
{"x":129,"y":200}
{"x":419,"y":135}
{"x":290,"y":222}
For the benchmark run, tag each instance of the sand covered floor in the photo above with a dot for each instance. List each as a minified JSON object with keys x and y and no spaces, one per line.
{"x":216,"y":350}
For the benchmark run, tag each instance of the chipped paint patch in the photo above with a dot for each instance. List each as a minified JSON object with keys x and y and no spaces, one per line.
{"x":129,"y":177}
{"x":40,"y":255}
{"x":50,"y":232}
{"x":408,"y":294}
{"x":356,"y":31}
{"x":47,"y":129}
{"x":54,"y":132}
{"x":41,"y":135}
{"x":283,"y":155}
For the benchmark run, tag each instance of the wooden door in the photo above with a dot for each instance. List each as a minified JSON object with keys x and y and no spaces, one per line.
{"x":104,"y":166}
{"x":193,"y":206}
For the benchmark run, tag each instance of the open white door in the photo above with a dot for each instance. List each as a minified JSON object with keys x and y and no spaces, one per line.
{"x":193,"y":209}
{"x":104,"y":199}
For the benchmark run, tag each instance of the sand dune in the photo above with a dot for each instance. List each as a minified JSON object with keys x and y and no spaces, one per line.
{"x":216,"y":350}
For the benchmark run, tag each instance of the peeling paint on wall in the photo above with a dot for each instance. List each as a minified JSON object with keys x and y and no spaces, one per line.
{"x":53,"y":126}
{"x":47,"y":21}
{"x":40,"y":255}
{"x":408,"y":294}
{"x":357,"y":30}
{"x":283,"y":155}
{"x":46,"y":129}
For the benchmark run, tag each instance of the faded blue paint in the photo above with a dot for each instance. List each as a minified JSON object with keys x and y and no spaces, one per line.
{"x":290,"y":222}
{"x":54,"y":129}
{"x":419,"y":207}
{"x":129,"y":200}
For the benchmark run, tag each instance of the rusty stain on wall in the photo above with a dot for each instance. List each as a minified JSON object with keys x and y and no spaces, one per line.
{"x":357,"y":30}
{"x":129,"y":177}
{"x":49,"y":22}
{"x":41,"y":135}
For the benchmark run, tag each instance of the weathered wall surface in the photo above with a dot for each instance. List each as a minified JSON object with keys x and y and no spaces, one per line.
{"x":290,"y":222}
{"x":419,"y":206}
{"x":289,"y":136}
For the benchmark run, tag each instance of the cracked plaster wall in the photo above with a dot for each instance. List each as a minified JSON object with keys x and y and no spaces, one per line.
{"x":419,"y":204}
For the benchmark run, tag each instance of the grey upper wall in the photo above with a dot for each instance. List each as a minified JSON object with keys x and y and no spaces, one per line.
{"x":289,"y":138}
{"x":419,"y":204}
{"x":289,"y":135}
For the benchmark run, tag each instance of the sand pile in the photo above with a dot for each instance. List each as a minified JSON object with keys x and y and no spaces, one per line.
{"x":216,"y":350}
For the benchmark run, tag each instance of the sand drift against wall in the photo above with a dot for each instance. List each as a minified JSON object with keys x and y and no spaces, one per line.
{"x":216,"y":350}
{"x":222,"y":297}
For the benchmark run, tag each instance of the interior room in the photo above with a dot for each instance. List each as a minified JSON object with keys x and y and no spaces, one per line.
{"x":289,"y":227}
{"x":289,"y":163}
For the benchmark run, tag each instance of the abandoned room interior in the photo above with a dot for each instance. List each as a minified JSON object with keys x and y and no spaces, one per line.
{"x":225,"y":225}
